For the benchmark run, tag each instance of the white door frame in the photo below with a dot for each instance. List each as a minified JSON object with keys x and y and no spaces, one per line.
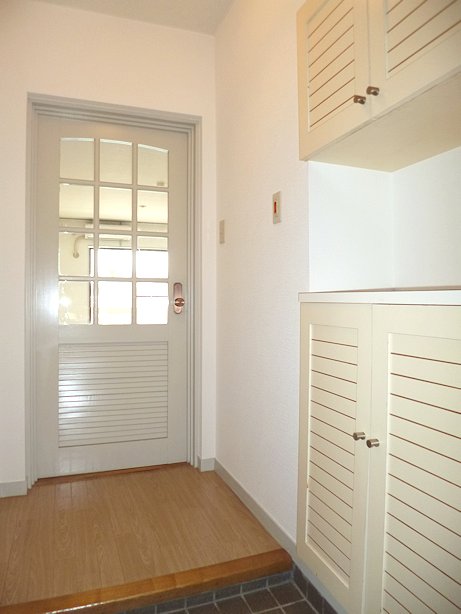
{"x":130,"y":116}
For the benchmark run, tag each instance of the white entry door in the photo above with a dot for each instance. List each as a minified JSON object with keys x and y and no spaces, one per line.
{"x":111,"y":258}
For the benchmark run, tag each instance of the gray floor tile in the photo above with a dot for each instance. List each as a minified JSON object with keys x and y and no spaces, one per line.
{"x":300,"y":581}
{"x":234,"y":605}
{"x":227,"y":591}
{"x":282,"y":594}
{"x":314,"y":597}
{"x":302,"y":607}
{"x":209,"y":608}
{"x":279,"y":578}
{"x":286,"y":593}
{"x":259,"y":601}
{"x":200,"y":599}
{"x":254,"y":585}
{"x":171,"y":606}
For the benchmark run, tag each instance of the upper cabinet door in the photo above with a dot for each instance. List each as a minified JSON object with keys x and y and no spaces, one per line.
{"x":395,"y":61}
{"x":412,"y":45}
{"x":332,"y":69}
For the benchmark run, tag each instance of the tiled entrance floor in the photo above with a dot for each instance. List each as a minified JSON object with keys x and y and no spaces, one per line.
{"x":286,"y":593}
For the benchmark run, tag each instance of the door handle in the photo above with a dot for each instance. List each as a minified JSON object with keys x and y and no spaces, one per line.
{"x":178,"y":299}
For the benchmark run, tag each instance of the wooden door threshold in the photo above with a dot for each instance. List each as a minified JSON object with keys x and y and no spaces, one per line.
{"x":164,"y":588}
{"x":79,"y":477}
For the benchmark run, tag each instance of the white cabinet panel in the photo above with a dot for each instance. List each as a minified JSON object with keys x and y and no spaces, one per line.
{"x":332,"y":487}
{"x":402,"y":367}
{"x":412,"y":45}
{"x":417,"y":489}
{"x":398,"y":49}
{"x":331,"y":69}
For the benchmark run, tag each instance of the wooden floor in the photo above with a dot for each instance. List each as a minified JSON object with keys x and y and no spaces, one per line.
{"x":124,"y":540}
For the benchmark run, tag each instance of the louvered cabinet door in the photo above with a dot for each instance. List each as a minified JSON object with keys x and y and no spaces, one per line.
{"x":332,"y":68}
{"x":414,"y":535}
{"x":412,"y":45}
{"x":333,"y":471}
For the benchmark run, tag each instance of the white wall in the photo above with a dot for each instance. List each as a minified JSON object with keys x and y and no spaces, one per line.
{"x":261,"y":266}
{"x":372,"y":229}
{"x":350,"y":228}
{"x":427,"y":222}
{"x":63,"y":52}
{"x":342,"y":228}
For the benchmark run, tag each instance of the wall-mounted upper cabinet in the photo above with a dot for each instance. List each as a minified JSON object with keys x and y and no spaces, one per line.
{"x":379,"y":80}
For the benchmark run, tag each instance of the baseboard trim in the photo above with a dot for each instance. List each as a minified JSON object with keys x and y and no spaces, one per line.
{"x":264,"y":518}
{"x":77,"y":477}
{"x":276,"y":531}
{"x":13,"y":489}
{"x":206,"y":464}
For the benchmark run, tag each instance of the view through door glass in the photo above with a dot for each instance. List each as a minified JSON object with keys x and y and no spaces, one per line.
{"x":117,"y":198}
{"x":113,"y":256}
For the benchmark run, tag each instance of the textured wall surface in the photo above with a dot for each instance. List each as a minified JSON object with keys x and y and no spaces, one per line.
{"x":261,"y":266}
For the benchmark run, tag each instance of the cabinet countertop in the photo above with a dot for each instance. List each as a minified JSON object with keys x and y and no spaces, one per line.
{"x":387,"y":296}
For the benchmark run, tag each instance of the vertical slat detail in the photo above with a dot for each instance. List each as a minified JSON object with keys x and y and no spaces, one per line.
{"x":112,"y":392}
{"x":332,"y":400}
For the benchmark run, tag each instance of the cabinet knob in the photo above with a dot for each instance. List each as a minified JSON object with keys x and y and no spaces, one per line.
{"x":358,"y":435}
{"x":359,"y":99}
{"x":372,"y":443}
{"x":372,"y":90}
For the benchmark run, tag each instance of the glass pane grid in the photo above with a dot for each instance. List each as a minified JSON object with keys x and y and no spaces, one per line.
{"x":121,"y":276}
{"x":115,"y":161}
{"x":77,"y":158}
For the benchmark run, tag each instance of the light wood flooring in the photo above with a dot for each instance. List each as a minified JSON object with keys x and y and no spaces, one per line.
{"x":122,"y":539}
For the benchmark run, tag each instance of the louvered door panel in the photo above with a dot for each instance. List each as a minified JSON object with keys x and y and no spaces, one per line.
{"x":414,"y":44}
{"x":406,"y":373}
{"x":112,"y":392}
{"x":332,"y":481}
{"x":422,"y":551}
{"x":414,"y":27}
{"x":333,"y":370}
{"x":330,"y":42}
{"x":332,"y":68}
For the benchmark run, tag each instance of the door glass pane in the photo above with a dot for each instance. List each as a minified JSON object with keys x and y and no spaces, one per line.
{"x":114,"y":302}
{"x":76,"y":205}
{"x":114,"y":256}
{"x":115,"y":163}
{"x":153,"y":211}
{"x":75,"y":254}
{"x":101,"y":237}
{"x":75,"y":300}
{"x":152,"y":303}
{"x":77,"y":158}
{"x":152,"y":257}
{"x":152,"y":166}
{"x":115,"y":207}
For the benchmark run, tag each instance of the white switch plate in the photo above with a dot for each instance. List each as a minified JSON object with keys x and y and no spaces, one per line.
{"x":276,"y":205}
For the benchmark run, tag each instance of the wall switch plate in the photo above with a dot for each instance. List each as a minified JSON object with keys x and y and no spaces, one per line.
{"x":222,"y":231}
{"x":276,"y":204}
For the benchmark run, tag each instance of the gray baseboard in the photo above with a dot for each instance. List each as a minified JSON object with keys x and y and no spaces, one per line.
{"x":206,"y":464}
{"x":13,"y":489}
{"x":276,"y":531}
{"x":267,"y":521}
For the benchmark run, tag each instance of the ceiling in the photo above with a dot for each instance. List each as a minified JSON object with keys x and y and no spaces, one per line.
{"x":196,"y":15}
